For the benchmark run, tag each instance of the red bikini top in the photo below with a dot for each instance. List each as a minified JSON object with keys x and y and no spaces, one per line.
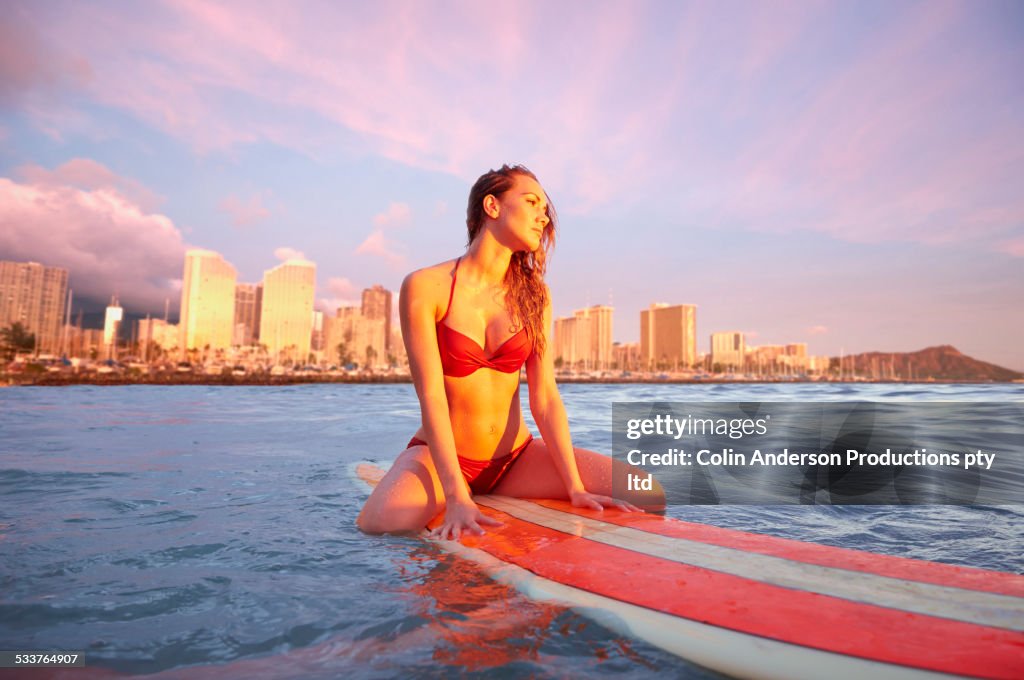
{"x":462,"y":356}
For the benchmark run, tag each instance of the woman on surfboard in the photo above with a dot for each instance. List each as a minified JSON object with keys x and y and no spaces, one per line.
{"x":469,"y":325}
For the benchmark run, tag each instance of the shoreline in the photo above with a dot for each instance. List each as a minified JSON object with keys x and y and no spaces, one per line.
{"x":50,"y":380}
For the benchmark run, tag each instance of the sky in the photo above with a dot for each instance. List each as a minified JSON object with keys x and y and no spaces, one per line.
{"x":845,"y":174}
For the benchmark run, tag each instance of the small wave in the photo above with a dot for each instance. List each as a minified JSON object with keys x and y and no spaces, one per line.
{"x":125,"y":507}
{"x":150,"y":603}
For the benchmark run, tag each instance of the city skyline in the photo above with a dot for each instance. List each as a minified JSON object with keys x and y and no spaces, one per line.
{"x":837,"y":174}
{"x":222,"y":316}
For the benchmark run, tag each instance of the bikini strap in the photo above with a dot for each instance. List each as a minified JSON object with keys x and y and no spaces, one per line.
{"x":451,"y":293}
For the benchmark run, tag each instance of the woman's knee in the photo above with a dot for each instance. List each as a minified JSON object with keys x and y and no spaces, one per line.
{"x":368,"y":524}
{"x":406,"y":499}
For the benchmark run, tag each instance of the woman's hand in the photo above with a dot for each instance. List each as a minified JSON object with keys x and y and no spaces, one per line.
{"x":594,"y":501}
{"x":462,"y":516}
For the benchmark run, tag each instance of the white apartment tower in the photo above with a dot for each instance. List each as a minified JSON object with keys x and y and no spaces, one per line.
{"x":207,"y":301}
{"x":286,"y":314}
{"x":377,"y":305}
{"x":728,"y":350}
{"x":112,"y":327}
{"x":600,"y":349}
{"x":34,"y":295}
{"x":566,"y":342}
{"x":584,"y":340}
{"x":360,"y":339}
{"x":668,"y":336}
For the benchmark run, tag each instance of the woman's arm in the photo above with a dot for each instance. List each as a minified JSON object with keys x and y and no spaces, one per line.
{"x":549,"y":414}
{"x":418,"y":302}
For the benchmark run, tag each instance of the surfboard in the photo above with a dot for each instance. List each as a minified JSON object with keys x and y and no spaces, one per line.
{"x":753,"y":605}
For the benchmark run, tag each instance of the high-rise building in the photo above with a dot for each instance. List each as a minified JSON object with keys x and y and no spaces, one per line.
{"x":350,"y":337}
{"x":599,"y":347}
{"x":797,"y":349}
{"x":566,"y":346}
{"x":207,"y":302}
{"x":112,"y":327}
{"x":585,"y":339}
{"x":248,"y":297}
{"x":286,"y":315}
{"x":821,"y":364}
{"x":155,"y":336}
{"x":668,"y":336}
{"x":626,"y":356}
{"x":796,"y":356}
{"x":766,"y":359}
{"x":34,"y":295}
{"x":317,"y":338}
{"x":728,"y":349}
{"x":84,"y":343}
{"x":377,"y":305}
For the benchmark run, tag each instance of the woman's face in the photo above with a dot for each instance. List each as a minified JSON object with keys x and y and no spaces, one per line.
{"x":520,"y":213}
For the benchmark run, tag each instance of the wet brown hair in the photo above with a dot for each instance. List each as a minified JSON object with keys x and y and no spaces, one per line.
{"x":525,"y":292}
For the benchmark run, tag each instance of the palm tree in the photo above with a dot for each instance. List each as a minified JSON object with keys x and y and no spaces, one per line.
{"x":16,"y":338}
{"x":344,"y":354}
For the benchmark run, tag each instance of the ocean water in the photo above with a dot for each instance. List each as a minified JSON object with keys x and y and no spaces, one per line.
{"x":198,"y":531}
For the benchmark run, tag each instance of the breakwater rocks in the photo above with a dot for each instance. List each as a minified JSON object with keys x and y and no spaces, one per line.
{"x":67,"y":379}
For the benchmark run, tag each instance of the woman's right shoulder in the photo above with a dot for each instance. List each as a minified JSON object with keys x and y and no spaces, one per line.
{"x":439,"y":274}
{"x":430,"y":283}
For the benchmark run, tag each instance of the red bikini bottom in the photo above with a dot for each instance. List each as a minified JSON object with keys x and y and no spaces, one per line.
{"x":483,"y":475}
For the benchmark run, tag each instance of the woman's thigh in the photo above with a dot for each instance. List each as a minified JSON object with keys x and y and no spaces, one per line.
{"x":534,"y":476}
{"x":406,"y":498}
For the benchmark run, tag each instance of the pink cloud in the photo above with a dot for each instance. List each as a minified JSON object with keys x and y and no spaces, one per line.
{"x":109,"y":243}
{"x":882,"y":154}
{"x":339,"y":286}
{"x":284,"y":253}
{"x":87,"y":174}
{"x":378,"y":245}
{"x":816,"y":330}
{"x":773,"y":30}
{"x":28,"y":65}
{"x":183,"y":59}
{"x":341,"y":293}
{"x":185,"y":55}
{"x":245,"y":212}
{"x":599,"y":117}
{"x":1013,"y":247}
{"x":397,"y":215}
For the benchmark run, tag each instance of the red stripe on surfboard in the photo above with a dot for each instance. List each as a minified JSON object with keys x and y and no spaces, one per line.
{"x":905,"y":568}
{"x":748,"y":606}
